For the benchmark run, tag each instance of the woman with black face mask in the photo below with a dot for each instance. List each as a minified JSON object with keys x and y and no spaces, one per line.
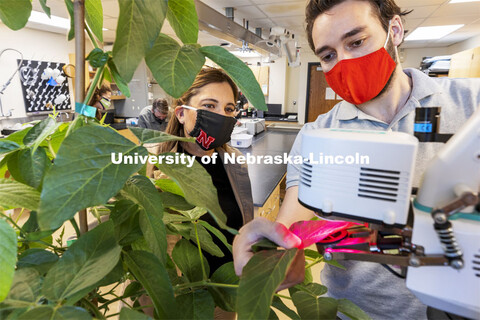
{"x":206,"y":111}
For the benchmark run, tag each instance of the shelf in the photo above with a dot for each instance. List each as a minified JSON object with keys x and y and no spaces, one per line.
{"x":120,"y":97}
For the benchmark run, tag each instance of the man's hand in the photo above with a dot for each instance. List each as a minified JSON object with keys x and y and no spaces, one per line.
{"x":255,"y":230}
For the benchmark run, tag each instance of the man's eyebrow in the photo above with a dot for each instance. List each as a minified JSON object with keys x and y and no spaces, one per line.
{"x":353,"y":32}
{"x":350,"y":33}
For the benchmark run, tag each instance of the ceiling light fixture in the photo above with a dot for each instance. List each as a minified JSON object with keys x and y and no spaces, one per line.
{"x":53,"y":21}
{"x":432,"y":33}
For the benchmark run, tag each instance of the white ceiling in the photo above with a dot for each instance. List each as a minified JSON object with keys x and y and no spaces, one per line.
{"x":290,"y":15}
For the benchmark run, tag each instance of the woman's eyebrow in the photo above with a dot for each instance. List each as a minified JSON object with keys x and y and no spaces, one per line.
{"x":209,"y":99}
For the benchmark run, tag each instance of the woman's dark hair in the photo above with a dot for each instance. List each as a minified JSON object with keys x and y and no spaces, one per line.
{"x":205,"y":76}
{"x":99,"y":92}
{"x":160,"y":105}
{"x":385,"y":10}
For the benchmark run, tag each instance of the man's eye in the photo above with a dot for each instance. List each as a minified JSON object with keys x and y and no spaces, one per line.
{"x":328,"y":57}
{"x":357,"y":43}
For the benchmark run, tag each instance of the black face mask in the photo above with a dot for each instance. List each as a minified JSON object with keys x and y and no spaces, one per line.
{"x":211,"y":129}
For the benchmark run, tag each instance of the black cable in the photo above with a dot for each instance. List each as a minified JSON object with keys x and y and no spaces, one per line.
{"x":396,"y":274}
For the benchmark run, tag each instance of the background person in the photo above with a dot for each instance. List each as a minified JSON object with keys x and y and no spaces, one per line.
{"x":356,"y":42}
{"x":155,"y":116}
{"x":101,"y":99}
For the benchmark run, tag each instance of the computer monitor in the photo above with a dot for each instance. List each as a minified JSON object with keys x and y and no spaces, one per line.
{"x":274,"y":109}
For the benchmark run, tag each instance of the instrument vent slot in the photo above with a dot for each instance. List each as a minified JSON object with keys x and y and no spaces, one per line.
{"x":476,"y":264}
{"x":379,"y":184}
{"x":306,"y":174}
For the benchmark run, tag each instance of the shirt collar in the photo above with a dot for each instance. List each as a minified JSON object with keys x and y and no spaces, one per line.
{"x":422,"y":87}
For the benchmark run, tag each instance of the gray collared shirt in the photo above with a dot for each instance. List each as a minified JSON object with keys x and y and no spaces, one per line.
{"x":369,"y":285}
{"x":147,"y":119}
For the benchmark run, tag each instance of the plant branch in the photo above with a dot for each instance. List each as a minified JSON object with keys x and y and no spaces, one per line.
{"x":50,"y":148}
{"x":316,"y":261}
{"x":204,"y":272}
{"x":19,"y":215}
{"x":22,"y":232}
{"x":93,"y":308}
{"x":282,"y":296}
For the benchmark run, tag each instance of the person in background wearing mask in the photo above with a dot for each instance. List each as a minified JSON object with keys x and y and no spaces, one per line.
{"x":357,"y":44}
{"x":154,"y":116}
{"x":101,"y":100}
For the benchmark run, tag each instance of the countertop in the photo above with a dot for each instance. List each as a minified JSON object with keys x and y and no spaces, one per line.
{"x":265,"y":177}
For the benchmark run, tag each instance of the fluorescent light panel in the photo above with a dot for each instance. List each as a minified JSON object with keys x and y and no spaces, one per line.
{"x":246,"y":54}
{"x":432,"y":33}
{"x":54,"y":21}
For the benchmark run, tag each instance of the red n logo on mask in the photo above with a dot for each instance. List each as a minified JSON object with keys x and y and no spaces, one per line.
{"x":204,"y":139}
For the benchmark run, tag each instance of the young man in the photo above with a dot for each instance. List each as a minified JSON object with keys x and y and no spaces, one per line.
{"x":154,"y":117}
{"x":356,"y":42}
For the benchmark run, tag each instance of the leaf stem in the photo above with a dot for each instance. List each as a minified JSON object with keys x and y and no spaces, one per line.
{"x":283,"y":296}
{"x":221,"y":285}
{"x":204,"y":272}
{"x":316,"y":261}
{"x":93,"y":84}
{"x":93,"y":308}
{"x":19,"y":215}
{"x":50,"y":148}
{"x":91,"y":36}
{"x":75,"y":226}
{"x":22,"y":232}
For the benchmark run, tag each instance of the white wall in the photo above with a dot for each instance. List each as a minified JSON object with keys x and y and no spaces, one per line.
{"x":464,"y":45}
{"x":411,"y":58}
{"x":34,"y":45}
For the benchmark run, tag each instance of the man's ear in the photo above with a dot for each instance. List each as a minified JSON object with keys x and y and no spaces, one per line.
{"x":397,"y":30}
{"x":180,"y":114}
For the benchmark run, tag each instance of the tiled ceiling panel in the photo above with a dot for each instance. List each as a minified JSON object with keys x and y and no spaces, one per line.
{"x":283,"y":9}
{"x":458,"y":9}
{"x":421,"y":12}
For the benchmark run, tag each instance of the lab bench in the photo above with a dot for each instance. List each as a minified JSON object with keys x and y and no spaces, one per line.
{"x":266,"y":179}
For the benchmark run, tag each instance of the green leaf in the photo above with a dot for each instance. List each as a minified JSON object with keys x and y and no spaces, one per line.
{"x":313,"y":289}
{"x":217,"y":233}
{"x":141,"y":190}
{"x":182,"y":229}
{"x":40,"y":260}
{"x":173,"y":201}
{"x":33,"y":230}
{"x":186,"y":257}
{"x":280,"y":305}
{"x":125,"y":220}
{"x":206,"y":241}
{"x":51,"y":313}
{"x":15,"y":14}
{"x":7,"y":146}
{"x":14,"y":194}
{"x":71,"y":32}
{"x":97,"y":58}
{"x":45,"y":8}
{"x":173,"y":66}
{"x":154,"y":136}
{"x":26,"y":287}
{"x":85,"y":263}
{"x":261,"y":276}
{"x":351,"y":310}
{"x":113,"y":276}
{"x":335,"y":263}
{"x":189,"y":179}
{"x":272,"y":315}
{"x":18,"y":136}
{"x":56,"y":139}
{"x":264,"y":244}
{"x":310,"y":307}
{"x":225,"y":298}
{"x":94,"y":17}
{"x":136,"y":35}
{"x":194,"y":213}
{"x":129,"y":314}
{"x":40,"y":132}
{"x":119,"y":81}
{"x":84,"y":175}
{"x":152,"y":274}
{"x":168,"y":185}
{"x":196,"y":305}
{"x":8,"y":257}
{"x":239,"y":72}
{"x":29,"y":166}
{"x":169,"y":218}
{"x":183,"y":18}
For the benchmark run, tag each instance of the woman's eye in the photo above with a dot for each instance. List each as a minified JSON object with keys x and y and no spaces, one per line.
{"x":229,"y":110}
{"x":208,"y":105}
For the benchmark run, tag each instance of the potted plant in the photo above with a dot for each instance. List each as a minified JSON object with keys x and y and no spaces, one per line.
{"x":57,"y":169}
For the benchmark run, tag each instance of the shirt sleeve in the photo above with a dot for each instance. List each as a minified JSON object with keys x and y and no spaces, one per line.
{"x":142,"y":123}
{"x":293,"y":170}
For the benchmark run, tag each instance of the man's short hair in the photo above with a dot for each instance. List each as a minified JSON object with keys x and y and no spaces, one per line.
{"x":385,"y":10}
{"x":161,"y":105}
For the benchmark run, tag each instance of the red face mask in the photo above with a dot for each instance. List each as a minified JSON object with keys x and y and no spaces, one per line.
{"x":361,"y":79}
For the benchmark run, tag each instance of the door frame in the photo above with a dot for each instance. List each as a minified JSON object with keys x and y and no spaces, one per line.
{"x":309,"y":68}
